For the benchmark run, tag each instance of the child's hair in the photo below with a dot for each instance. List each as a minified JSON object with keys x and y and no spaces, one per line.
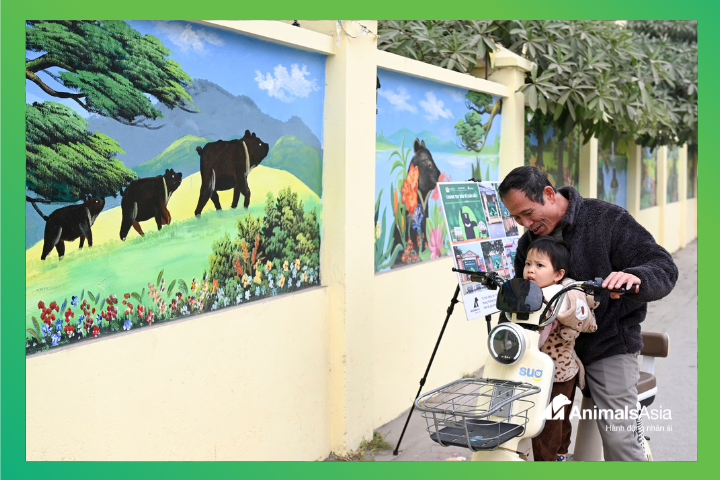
{"x":557,"y":250}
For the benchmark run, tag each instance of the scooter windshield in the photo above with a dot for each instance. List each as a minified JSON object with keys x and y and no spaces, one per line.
{"x":519,"y":296}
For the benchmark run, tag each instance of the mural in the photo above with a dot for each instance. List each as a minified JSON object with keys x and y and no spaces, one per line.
{"x":142,"y":138}
{"x":673,"y":161}
{"x":648,"y":178}
{"x":612,"y":174}
{"x":543,"y":148}
{"x":426,"y":133}
{"x":692,"y":163}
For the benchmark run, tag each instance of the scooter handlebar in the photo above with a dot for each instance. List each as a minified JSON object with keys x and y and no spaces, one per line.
{"x":596,"y":287}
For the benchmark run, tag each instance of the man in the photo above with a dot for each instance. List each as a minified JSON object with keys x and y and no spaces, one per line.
{"x":605,"y":241}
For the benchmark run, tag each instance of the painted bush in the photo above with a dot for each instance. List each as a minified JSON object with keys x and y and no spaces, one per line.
{"x":544,"y":145}
{"x":130,"y":153}
{"x":612,"y":174}
{"x":648,"y":178}
{"x":426,"y":133}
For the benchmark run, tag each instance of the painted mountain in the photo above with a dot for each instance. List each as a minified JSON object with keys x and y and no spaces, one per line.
{"x":222,"y":115}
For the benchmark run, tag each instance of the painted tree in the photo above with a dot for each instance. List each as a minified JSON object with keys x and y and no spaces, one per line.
{"x":106,"y":68}
{"x":472,"y":131}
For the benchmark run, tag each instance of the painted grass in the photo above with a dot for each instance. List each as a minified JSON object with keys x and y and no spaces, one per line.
{"x":181,"y":249}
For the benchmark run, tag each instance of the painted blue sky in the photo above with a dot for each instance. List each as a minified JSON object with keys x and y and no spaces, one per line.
{"x":409,"y":102}
{"x":281,"y":80}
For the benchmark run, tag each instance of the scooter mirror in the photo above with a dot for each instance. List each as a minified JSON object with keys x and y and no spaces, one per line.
{"x":519,"y":296}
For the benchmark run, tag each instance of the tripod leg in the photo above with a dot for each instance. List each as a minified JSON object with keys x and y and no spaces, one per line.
{"x":432,"y":357}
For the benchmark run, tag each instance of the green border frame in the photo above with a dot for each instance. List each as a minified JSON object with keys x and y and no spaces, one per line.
{"x":12,"y":425}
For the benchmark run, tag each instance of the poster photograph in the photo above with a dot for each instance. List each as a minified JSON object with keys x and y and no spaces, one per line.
{"x":483,"y":236}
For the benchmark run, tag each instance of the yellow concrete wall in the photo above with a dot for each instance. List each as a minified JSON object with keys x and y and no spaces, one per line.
{"x":691,"y":219}
{"x":650,"y":219}
{"x":673,"y":226}
{"x":182,"y":391}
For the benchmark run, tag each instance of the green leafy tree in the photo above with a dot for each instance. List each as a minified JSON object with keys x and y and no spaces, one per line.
{"x":108,"y":69}
{"x":64,"y":161}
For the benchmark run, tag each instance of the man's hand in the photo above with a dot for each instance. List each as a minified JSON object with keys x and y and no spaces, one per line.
{"x":617,"y":280}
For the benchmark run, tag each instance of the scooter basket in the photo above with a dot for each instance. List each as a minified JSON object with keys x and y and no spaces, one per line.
{"x":477,"y":413}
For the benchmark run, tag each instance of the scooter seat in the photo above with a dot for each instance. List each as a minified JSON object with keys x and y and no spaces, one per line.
{"x":647,"y":382}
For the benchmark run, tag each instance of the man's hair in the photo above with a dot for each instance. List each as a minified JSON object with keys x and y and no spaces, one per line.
{"x":529,"y":180}
{"x":557,"y":250}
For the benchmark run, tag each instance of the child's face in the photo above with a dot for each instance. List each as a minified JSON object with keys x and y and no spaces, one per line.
{"x":539,"y":269}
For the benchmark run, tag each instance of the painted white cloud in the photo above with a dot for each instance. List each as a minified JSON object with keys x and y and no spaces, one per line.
{"x":435,"y":108}
{"x":455,"y":94}
{"x":186,"y":37}
{"x":285,"y":86}
{"x":398,"y":99}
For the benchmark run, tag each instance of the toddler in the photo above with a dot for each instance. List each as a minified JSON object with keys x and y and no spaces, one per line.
{"x":547,"y":261}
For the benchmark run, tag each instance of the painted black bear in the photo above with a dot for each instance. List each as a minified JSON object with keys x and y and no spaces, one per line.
{"x":147,"y":198}
{"x":469,"y":226}
{"x":429,"y":173}
{"x":68,"y":223}
{"x":225,"y":165}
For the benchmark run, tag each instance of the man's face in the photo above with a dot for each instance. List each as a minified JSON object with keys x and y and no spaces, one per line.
{"x":541,"y":219}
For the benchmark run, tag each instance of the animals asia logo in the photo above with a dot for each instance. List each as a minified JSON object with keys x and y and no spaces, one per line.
{"x":555,"y":410}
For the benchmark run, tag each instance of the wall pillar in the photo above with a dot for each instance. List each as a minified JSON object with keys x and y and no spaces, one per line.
{"x":662,"y":177}
{"x":682,"y":193}
{"x":510,"y":70}
{"x":347,"y":256}
{"x":634,"y":177}
{"x":588,"y":168}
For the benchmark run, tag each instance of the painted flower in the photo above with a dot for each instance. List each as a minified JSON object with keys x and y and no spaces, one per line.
{"x":238,"y":299}
{"x":46,"y":330}
{"x":436,"y":242}
{"x":271,"y":284}
{"x":96,"y":331}
{"x":305,"y":276}
{"x":281,"y":282}
{"x":268,"y":265}
{"x":257,"y":291}
{"x":69,"y":330}
{"x":298,"y":283}
{"x":274,"y":291}
{"x":140,"y":311}
{"x":237,"y":266}
{"x":214,"y":306}
{"x":55,"y":339}
{"x":395,"y":203}
{"x":294,"y":272}
{"x":297,"y":264}
{"x":58,"y":324}
{"x":442,"y":178}
{"x":150,"y":317}
{"x":41,"y":305}
{"x":247,"y":294}
{"x":215,"y":286}
{"x":193,"y":284}
{"x":221,"y":292}
{"x":74,"y":301}
{"x":409,"y":189}
{"x":417,"y":224}
{"x":112,"y":300}
{"x":184,"y":310}
{"x":285,"y":266}
{"x":127,"y":325}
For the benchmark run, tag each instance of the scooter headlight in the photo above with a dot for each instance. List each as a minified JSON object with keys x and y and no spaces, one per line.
{"x":506,"y":343}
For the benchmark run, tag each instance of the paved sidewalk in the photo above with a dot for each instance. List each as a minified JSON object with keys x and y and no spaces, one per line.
{"x":676,"y":377}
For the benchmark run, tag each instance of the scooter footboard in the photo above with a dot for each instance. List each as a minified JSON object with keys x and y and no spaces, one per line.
{"x":477,"y":413}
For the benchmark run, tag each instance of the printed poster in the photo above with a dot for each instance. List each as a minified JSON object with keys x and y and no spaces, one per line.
{"x":483,"y":236}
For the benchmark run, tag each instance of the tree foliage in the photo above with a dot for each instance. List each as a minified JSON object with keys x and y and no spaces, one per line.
{"x":637,"y":80}
{"x":107,"y":67}
{"x":472,"y":131}
{"x":64,"y":161}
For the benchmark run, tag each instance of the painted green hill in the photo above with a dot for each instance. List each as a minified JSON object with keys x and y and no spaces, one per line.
{"x":292,"y":155}
{"x":180,"y":156}
{"x":432,"y":142}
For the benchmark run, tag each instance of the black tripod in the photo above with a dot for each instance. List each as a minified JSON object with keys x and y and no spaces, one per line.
{"x":491,"y":281}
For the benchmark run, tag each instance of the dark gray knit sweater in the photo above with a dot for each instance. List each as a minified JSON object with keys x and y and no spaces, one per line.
{"x":605,"y":238}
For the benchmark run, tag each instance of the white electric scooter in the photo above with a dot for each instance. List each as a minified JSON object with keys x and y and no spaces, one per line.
{"x":496,"y":416}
